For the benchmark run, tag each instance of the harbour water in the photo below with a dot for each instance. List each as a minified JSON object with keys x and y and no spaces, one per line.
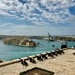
{"x":10,"y":52}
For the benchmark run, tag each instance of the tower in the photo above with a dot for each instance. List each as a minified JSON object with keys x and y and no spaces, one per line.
{"x":49,"y":36}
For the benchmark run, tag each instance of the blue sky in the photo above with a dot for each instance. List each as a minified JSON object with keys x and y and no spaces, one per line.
{"x":37,"y":17}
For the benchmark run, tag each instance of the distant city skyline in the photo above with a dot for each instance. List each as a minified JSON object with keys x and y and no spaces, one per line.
{"x":37,"y":17}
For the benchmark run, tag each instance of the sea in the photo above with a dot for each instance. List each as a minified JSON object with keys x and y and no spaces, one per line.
{"x":11,"y":52}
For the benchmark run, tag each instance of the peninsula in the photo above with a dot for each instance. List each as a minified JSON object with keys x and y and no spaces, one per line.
{"x":19,"y":41}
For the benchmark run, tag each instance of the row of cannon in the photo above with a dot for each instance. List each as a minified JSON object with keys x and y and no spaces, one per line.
{"x":41,"y":57}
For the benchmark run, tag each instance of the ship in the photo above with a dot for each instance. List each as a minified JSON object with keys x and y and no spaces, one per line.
{"x":49,"y":38}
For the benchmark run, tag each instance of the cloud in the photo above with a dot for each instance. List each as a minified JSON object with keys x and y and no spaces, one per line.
{"x":39,"y":16}
{"x":39,"y":29}
{"x":56,"y":11}
{"x":12,"y":29}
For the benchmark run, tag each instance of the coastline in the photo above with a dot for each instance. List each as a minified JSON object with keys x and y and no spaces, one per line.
{"x":61,"y":65}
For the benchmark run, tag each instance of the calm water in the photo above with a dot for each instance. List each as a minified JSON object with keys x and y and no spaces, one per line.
{"x":10,"y":52}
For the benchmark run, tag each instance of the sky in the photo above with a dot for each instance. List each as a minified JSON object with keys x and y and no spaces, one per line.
{"x":37,"y":17}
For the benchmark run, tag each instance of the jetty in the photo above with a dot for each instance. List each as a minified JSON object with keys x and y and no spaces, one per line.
{"x":62,"y":64}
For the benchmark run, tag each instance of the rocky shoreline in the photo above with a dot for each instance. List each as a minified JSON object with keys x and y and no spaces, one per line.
{"x":19,"y":41}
